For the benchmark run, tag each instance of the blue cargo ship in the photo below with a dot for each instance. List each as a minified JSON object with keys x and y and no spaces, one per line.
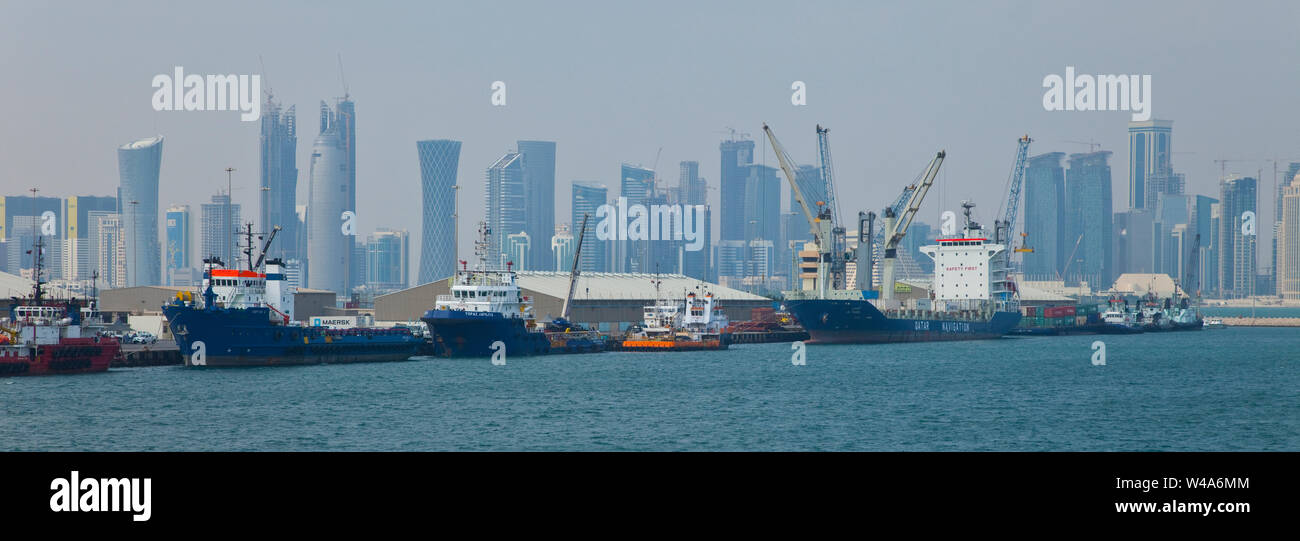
{"x":970,"y":300}
{"x":486,"y":313}
{"x":245,"y":319}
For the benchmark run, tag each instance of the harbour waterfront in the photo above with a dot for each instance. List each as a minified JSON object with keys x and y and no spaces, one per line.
{"x":1231,"y":390}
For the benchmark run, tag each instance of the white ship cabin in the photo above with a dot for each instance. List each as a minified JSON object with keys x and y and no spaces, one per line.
{"x":41,"y":325}
{"x":703,"y":313}
{"x":961,"y":267}
{"x":660,"y":316}
{"x":236,"y":288}
{"x":486,"y":291}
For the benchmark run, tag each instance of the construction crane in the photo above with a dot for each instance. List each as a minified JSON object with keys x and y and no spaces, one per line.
{"x":1070,"y":260}
{"x":262,"y":257}
{"x":573,"y":272}
{"x":1193,"y":261}
{"x":896,"y":225}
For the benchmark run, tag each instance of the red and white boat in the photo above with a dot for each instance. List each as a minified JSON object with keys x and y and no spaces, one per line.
{"x":44,"y":337}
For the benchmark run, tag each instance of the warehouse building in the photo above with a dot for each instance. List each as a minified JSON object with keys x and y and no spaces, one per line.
{"x":607,"y":301}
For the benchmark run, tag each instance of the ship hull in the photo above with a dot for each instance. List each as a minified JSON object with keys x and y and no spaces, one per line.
{"x":860,"y":322}
{"x":69,"y":356}
{"x":247,"y":337}
{"x":471,"y":334}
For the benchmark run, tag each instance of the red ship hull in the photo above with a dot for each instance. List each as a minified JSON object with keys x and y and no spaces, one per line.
{"x":69,"y":356}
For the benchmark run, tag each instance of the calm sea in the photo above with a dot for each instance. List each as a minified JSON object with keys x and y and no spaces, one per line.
{"x":1224,"y":390}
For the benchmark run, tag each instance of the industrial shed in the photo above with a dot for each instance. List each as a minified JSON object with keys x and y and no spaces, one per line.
{"x":609,"y":301}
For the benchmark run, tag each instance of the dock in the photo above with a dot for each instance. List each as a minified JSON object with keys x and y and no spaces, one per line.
{"x":160,"y":353}
{"x":1261,"y":321}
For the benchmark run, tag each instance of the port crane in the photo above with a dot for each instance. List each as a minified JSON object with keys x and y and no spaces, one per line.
{"x":573,"y":272}
{"x":896,"y":224}
{"x":820,"y":223}
{"x":1004,"y":228}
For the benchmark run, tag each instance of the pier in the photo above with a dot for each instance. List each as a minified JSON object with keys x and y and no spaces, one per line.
{"x":160,"y":353}
{"x":1261,"y":321}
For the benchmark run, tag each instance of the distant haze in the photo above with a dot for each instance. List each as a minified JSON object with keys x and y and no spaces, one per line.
{"x":615,"y":81}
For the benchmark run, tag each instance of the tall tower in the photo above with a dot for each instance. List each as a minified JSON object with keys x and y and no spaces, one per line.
{"x":279,"y":178}
{"x":505,"y":201}
{"x":1237,"y":196}
{"x":1089,"y":213}
{"x":1150,"y":145}
{"x":439,"y":160}
{"x":1045,"y":217}
{"x":331,"y":193}
{"x":587,"y":198}
{"x":138,"y":165}
{"x":539,"y":197}
{"x":736,"y":156}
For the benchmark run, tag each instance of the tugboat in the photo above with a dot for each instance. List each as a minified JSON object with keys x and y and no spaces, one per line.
{"x":45,"y":337}
{"x":665,"y":327}
{"x":246,"y":319}
{"x":1119,"y":320}
{"x":485,"y":307}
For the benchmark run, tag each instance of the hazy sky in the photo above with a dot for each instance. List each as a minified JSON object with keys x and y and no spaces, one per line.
{"x":615,"y":81}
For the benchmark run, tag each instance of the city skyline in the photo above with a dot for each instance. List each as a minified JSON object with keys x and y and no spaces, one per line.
{"x":686,"y":122}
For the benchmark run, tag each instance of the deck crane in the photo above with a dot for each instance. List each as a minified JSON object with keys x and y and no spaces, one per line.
{"x":828,"y":173}
{"x":896,"y":225}
{"x":819,"y":223}
{"x":1002,"y":229}
{"x":839,"y":269}
{"x":573,"y":273}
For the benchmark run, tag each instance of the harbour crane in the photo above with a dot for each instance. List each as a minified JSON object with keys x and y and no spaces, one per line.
{"x":828,"y":173}
{"x":1004,"y":228}
{"x":820,"y":224}
{"x":896,"y":225}
{"x":573,"y":272}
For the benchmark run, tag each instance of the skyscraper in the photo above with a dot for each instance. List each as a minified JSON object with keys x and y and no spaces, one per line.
{"x":76,"y":223}
{"x":388,"y":256}
{"x":539,"y":199}
{"x":1201,"y":223}
{"x":562,"y":247}
{"x":1288,"y":243}
{"x":586,"y":198}
{"x":331,"y":193}
{"x":1288,"y":179}
{"x":439,"y":160}
{"x":504,"y":199}
{"x":694,"y":190}
{"x":138,"y":165}
{"x":1150,"y":145}
{"x":763,"y":204}
{"x":736,"y":156}
{"x":637,"y":185}
{"x":177,"y":252}
{"x":279,"y":178}
{"x":1089,"y":214}
{"x":219,"y":231}
{"x":1045,"y":217}
{"x":107,"y":247}
{"x":1237,"y":196}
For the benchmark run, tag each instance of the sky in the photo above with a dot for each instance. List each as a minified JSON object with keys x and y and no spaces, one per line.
{"x":614,"y":82}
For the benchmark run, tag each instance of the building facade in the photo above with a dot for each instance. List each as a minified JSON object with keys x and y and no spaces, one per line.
{"x":139,"y":164}
{"x":1089,"y":219}
{"x":1045,"y":217}
{"x":439,"y":162}
{"x":539,"y":199}
{"x":331,"y":194}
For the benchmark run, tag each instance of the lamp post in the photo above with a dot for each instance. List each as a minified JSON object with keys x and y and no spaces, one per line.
{"x":135,"y":243}
{"x":230,"y":225}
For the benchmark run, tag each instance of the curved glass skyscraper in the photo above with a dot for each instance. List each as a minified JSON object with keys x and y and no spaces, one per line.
{"x":439,"y":160}
{"x":138,"y":164}
{"x":331,"y":192}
